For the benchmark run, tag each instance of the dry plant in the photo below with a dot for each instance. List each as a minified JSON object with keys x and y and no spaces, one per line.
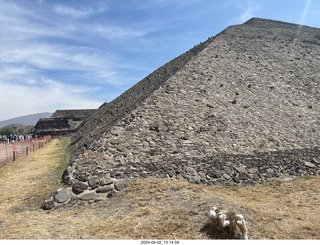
{"x":149,"y":208}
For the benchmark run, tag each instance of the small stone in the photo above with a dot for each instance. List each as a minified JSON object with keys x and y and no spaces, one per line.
{"x":255,"y":177}
{"x":47,"y":205}
{"x":315,"y":160}
{"x":79,"y":187}
{"x":310,"y":165}
{"x":171,"y":173}
{"x":106,"y":181}
{"x":236,"y":179}
{"x":94,"y":182}
{"x":202,"y":176}
{"x":194,"y":179}
{"x":120,"y":185}
{"x":251,"y":182}
{"x":242,"y":176}
{"x":88,"y":196}
{"x":111,"y":194}
{"x":216,"y":174}
{"x":226,"y":176}
{"x":253,"y":170}
{"x":82,"y":178}
{"x":63,"y":195}
{"x":104,"y":189}
{"x":73,"y":200}
{"x":240,"y":169}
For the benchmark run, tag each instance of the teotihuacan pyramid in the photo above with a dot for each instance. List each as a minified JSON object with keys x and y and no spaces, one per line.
{"x":241,"y":107}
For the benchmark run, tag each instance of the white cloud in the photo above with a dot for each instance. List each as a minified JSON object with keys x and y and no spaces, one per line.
{"x":114,"y":32}
{"x":72,"y":12}
{"x":18,"y":100}
{"x":247,"y":9}
{"x":82,"y":11}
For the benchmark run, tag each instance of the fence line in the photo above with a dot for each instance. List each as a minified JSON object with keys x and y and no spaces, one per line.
{"x":9,"y":152}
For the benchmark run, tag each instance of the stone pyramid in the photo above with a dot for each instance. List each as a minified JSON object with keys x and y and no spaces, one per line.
{"x":241,"y":107}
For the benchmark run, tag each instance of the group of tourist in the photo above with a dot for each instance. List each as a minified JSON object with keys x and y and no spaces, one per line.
{"x":13,"y":138}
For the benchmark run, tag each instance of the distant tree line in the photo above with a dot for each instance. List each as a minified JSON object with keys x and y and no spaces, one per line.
{"x":7,"y":131}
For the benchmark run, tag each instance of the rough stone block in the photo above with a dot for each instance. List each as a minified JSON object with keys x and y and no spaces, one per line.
{"x":79,"y":187}
{"x":63,"y":195}
{"x":94,"y":182}
{"x":194,"y":179}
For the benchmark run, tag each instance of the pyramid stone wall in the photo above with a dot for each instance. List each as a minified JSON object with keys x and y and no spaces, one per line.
{"x":109,"y":113}
{"x":62,"y":122}
{"x":253,"y":88}
{"x":82,"y":113}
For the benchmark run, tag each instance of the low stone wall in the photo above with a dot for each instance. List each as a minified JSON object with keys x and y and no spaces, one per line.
{"x":240,"y":170}
{"x":220,"y":169}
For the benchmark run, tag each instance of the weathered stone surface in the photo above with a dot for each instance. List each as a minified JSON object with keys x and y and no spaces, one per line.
{"x":194,"y":179}
{"x":88,"y":196}
{"x":82,"y":177}
{"x":216,"y":174}
{"x":120,"y":185}
{"x":72,"y":201}
{"x":106,"y":181}
{"x":310,"y":165}
{"x":79,"y":187}
{"x":63,"y":195}
{"x":226,"y":176}
{"x":62,"y":122}
{"x":242,"y":176}
{"x":94,"y":182}
{"x":111,"y":194}
{"x":104,"y":189}
{"x":236,"y":179}
{"x":181,"y":117}
{"x":48,"y":204}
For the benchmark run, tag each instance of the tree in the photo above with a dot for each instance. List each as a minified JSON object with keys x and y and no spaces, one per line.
{"x":6,"y":131}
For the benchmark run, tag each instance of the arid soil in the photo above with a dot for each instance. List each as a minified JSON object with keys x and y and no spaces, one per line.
{"x":149,"y":208}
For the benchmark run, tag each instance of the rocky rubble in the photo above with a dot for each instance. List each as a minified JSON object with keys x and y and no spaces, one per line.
{"x":81,"y":193}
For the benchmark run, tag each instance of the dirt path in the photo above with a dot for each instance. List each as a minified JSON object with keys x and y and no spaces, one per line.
{"x":149,"y":209}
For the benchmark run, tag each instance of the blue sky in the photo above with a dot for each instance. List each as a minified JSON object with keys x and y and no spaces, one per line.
{"x":80,"y":53}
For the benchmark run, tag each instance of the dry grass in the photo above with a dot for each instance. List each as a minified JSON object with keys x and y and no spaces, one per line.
{"x":150,"y":209}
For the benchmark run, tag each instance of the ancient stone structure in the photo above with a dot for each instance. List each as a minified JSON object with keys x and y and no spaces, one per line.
{"x":241,"y":108}
{"x":62,"y":122}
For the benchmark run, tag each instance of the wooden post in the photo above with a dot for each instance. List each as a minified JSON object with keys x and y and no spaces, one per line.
{"x":14,"y":156}
{"x":27,"y":150}
{"x":33,"y":147}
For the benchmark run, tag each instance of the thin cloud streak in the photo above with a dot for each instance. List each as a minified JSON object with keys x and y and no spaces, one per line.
{"x":305,"y":12}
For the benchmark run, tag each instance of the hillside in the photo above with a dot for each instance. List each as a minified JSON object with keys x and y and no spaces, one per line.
{"x":25,"y":120}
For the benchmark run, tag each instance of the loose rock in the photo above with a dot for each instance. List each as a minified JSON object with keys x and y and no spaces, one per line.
{"x":79,"y":187}
{"x":63,"y":195}
{"x":94,"y":182}
{"x":120,"y":185}
{"x":194,"y":179}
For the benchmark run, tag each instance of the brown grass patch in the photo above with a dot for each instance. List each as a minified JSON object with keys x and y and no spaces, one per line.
{"x":149,"y":209}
